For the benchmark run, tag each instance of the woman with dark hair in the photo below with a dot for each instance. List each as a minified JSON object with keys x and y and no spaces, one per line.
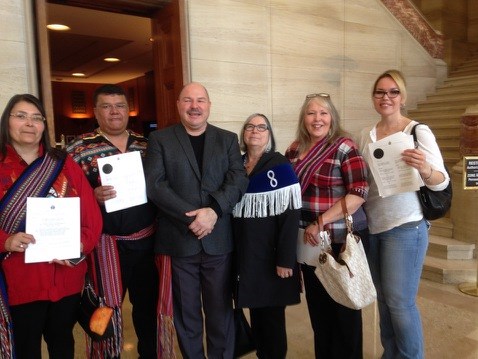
{"x":266,"y":222}
{"x":329,"y":168}
{"x":43,"y":297}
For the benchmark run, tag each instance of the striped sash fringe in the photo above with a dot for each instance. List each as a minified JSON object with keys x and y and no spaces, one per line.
{"x":111,"y":279}
{"x":6,"y":335}
{"x":165,"y":323}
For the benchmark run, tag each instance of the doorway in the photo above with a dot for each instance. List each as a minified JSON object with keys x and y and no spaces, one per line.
{"x":152,"y":93}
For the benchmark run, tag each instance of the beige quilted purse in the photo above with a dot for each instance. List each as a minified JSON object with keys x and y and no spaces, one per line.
{"x":347,"y":279}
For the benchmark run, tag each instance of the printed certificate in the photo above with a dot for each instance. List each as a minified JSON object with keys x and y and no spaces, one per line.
{"x":55,"y":224}
{"x":390,"y":172}
{"x":125,"y":173}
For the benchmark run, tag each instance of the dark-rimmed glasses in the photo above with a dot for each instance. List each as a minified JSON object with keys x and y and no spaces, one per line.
{"x":320,"y":94}
{"x":251,"y":127}
{"x":37,"y":118}
{"x":391,"y":93}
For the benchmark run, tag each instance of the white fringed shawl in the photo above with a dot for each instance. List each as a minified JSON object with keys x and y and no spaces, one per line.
{"x":270,"y":193}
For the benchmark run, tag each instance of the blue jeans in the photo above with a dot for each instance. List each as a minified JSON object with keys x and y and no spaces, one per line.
{"x":396,"y":258}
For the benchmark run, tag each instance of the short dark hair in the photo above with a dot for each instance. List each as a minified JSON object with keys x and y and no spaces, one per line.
{"x":108,"y":89}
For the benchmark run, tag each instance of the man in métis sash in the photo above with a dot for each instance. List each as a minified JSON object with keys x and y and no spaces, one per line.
{"x":125,"y":250}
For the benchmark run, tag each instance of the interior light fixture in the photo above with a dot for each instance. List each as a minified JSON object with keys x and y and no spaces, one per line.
{"x":111,"y":59}
{"x":58,"y":27}
{"x":78,"y":74}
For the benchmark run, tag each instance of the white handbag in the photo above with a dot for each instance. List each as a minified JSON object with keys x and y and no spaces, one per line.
{"x":347,"y":279}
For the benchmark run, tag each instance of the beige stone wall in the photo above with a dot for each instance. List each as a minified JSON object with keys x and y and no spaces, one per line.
{"x":265,"y":56}
{"x":17,"y":72}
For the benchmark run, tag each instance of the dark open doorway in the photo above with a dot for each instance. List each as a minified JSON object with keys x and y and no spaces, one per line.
{"x":153,"y":91}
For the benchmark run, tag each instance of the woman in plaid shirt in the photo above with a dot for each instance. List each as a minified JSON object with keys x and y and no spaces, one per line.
{"x":329,"y":167}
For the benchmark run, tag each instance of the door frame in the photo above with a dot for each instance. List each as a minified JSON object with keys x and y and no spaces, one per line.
{"x":180,"y":43}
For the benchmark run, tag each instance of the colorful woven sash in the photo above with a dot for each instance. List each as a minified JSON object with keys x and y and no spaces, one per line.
{"x":6,"y":333}
{"x":165,"y":323}
{"x":111,"y":279}
{"x":35,"y":181}
{"x":308,"y":166}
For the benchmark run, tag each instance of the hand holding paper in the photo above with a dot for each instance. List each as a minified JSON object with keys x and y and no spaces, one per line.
{"x":55,"y":224}
{"x":125,"y":173}
{"x":390,"y":172}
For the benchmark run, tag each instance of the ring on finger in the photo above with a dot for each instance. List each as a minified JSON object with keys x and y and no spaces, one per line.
{"x":21,"y":245}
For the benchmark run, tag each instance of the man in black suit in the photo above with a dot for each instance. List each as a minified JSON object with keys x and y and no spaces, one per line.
{"x":195,"y":176}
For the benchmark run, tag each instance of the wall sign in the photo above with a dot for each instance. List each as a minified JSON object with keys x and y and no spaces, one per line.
{"x":470,"y":172}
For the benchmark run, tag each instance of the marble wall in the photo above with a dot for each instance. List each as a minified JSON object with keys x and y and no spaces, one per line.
{"x":265,"y":56}
{"x":17,"y":69}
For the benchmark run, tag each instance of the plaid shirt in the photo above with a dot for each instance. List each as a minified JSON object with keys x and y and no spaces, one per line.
{"x":344,"y":172}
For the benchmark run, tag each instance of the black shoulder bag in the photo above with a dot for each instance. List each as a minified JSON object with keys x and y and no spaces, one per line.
{"x":435,"y":204}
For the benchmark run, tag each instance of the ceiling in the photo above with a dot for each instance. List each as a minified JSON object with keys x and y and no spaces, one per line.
{"x":104,"y":29}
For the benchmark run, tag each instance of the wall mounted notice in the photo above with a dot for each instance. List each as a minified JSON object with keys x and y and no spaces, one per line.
{"x":470,"y":172}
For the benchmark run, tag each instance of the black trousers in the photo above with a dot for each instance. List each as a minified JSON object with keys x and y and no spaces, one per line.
{"x":337,"y":329}
{"x":54,"y":321}
{"x":269,"y":331}
{"x":202,"y":283}
{"x":139,"y":277}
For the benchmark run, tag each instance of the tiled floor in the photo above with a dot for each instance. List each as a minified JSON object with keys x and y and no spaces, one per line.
{"x":450,"y":321}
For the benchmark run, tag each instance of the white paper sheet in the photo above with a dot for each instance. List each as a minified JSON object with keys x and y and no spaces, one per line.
{"x":125,"y":173}
{"x":391,"y":174}
{"x":307,"y":253}
{"x":55,"y":224}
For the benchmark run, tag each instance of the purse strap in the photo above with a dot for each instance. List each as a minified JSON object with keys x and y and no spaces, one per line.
{"x":324,"y":237}
{"x":348,"y":218}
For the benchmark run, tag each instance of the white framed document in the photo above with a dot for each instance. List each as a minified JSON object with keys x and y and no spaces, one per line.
{"x":125,"y":173}
{"x":55,"y":224}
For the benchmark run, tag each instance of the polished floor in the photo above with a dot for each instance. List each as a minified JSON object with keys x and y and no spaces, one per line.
{"x":450,"y":322}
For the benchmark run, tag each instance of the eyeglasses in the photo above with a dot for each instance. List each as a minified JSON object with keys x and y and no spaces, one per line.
{"x":116,"y":106}
{"x":391,"y":94}
{"x":321,"y":94}
{"x":21,"y":116}
{"x":260,"y":128}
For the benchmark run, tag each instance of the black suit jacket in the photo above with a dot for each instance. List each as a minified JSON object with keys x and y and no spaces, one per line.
{"x":176,"y":185}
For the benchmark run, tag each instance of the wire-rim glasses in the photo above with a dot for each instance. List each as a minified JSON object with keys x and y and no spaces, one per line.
{"x":36,"y":118}
{"x":116,"y":106}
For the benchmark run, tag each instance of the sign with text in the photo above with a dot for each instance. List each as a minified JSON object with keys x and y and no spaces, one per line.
{"x":470,"y":172}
